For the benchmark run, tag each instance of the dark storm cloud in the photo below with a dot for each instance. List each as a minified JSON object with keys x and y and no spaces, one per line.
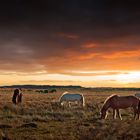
{"x":72,"y":16}
{"x":44,"y":32}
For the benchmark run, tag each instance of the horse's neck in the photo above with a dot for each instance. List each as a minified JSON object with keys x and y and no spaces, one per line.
{"x":106,"y":106}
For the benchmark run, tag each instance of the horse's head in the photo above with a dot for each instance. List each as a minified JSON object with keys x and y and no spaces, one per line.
{"x":61,"y":104}
{"x":106,"y":105}
{"x":103,"y":113}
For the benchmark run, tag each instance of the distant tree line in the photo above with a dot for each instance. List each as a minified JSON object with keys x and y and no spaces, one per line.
{"x":46,"y":91}
{"x":40,"y":86}
{"x":112,"y":89}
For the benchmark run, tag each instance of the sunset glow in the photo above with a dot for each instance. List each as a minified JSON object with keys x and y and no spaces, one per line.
{"x":91,"y":43}
{"x":83,"y":78}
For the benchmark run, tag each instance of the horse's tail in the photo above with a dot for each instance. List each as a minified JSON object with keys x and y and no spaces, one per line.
{"x":83,"y":100}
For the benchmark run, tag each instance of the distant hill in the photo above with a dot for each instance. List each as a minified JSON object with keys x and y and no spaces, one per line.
{"x":39,"y":86}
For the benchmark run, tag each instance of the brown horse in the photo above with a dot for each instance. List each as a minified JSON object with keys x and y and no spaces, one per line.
{"x":120,"y":102}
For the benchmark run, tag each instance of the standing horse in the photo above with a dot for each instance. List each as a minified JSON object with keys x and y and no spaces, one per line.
{"x":14,"y":98}
{"x":17,"y":96}
{"x":120,"y":102}
{"x":68,"y":98}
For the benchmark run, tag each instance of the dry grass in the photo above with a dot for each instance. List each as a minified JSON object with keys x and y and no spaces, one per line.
{"x":39,"y":118}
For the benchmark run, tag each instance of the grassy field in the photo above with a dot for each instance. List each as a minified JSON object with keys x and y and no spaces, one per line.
{"x":40,"y":118}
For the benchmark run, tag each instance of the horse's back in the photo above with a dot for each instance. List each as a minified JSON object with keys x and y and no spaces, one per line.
{"x":131,"y":97}
{"x":137,"y":95}
{"x":126,"y":101}
{"x":70,"y":96}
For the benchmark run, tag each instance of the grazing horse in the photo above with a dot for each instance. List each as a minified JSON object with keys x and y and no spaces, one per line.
{"x":68,"y":98}
{"x":120,"y":102}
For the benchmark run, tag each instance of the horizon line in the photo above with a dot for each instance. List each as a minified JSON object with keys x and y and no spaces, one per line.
{"x":65,"y":86}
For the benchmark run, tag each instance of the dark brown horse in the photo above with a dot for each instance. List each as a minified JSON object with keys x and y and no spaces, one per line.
{"x":14,"y":98}
{"x":17,"y":96}
{"x":120,"y":102}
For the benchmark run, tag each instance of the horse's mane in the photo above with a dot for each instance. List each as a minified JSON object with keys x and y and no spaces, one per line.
{"x":110,"y":97}
{"x":63,"y":94}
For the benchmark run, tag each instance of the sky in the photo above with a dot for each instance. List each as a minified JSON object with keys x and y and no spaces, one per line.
{"x":92,"y":43}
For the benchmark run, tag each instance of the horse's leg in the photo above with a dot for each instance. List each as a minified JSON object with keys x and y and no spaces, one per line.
{"x":79,"y":103}
{"x":114,"y":114}
{"x":135,"y":112}
{"x":69,"y":104}
{"x":119,"y":114}
{"x":138,"y":110}
{"x":138,"y":113}
{"x":17,"y":99}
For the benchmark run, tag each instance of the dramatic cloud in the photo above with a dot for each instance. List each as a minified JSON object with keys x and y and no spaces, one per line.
{"x":60,"y":37}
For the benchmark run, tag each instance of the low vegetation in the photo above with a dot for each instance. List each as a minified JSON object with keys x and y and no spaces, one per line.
{"x":40,"y":117}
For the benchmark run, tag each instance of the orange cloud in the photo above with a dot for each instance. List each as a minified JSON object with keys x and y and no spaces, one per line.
{"x":59,"y":56}
{"x":122,"y":54}
{"x":89,"y":45}
{"x":93,"y":73}
{"x":88,"y":56}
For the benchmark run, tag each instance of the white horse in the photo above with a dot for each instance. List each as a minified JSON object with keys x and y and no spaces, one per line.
{"x":69,"y":98}
{"x":137,"y":95}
